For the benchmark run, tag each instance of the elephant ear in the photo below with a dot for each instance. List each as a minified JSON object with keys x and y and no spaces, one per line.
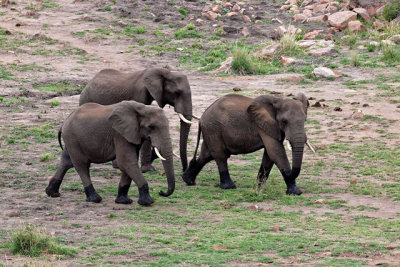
{"x":154,"y":80}
{"x":124,"y":120}
{"x":263,"y":112}
{"x":304,"y":100}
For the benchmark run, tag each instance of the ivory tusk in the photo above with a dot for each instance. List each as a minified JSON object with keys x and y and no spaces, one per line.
{"x":310,"y":146}
{"x":158,"y":154}
{"x":289,"y":147}
{"x":176,"y":155}
{"x":197,"y":118}
{"x":184,"y":119}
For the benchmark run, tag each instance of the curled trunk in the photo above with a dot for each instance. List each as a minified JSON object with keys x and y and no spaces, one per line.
{"x":168,"y":165}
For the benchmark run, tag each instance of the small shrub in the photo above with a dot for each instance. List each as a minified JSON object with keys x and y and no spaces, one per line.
{"x":33,"y":241}
{"x":371,"y":47}
{"x":139,"y":30}
{"x":242,"y":62}
{"x":107,"y":8}
{"x":391,"y":11}
{"x":171,"y":25}
{"x":46,"y":157}
{"x":354,"y":59}
{"x":182,"y":11}
{"x":190,"y":26}
{"x":218,"y":32}
{"x":391,"y":54}
{"x":180,"y":34}
{"x":54,"y":103}
{"x":289,"y":45}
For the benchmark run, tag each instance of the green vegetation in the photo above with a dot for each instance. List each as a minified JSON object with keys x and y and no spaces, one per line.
{"x":182,"y":11}
{"x":60,"y":87}
{"x":33,"y":241}
{"x":391,"y":11}
{"x":242,"y":62}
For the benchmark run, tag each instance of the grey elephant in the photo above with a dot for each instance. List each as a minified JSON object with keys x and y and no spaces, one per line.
{"x":97,"y":134}
{"x":236,"y":124}
{"x":111,"y":86}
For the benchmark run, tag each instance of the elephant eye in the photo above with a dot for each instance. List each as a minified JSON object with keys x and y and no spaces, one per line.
{"x":284,"y":121}
{"x":152,"y":127}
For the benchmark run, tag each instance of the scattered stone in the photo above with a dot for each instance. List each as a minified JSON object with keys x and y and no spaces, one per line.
{"x":341,"y":19}
{"x":357,"y":115}
{"x":395,"y":39}
{"x":226,"y":65}
{"x":268,"y":51}
{"x":316,"y":105}
{"x":230,"y":29}
{"x":300,"y":17}
{"x":286,"y":61}
{"x":321,"y":18}
{"x":277,"y":20}
{"x":282,"y":30}
{"x":312,"y":35}
{"x":353,"y":181}
{"x":13,"y":214}
{"x":122,"y":23}
{"x":28,"y":163}
{"x":216,"y":8}
{"x":194,"y":239}
{"x":210,"y":15}
{"x":236,"y":7}
{"x":378,"y":24}
{"x":246,"y":18}
{"x":199,"y":21}
{"x":320,"y":201}
{"x":245,"y":32}
{"x":253,"y":207}
{"x":220,"y":247}
{"x":356,"y":26}
{"x":275,"y":228}
{"x":308,"y":13}
{"x":338,"y":109}
{"x":365,"y":105}
{"x":363,"y":13}
{"x":387,"y":42}
{"x":231,"y":14}
{"x":236,"y":89}
{"x":323,"y":72}
{"x":320,"y":8}
{"x":31,"y":13}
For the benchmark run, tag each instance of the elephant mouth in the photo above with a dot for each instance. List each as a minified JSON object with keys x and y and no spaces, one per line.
{"x":289,"y":145}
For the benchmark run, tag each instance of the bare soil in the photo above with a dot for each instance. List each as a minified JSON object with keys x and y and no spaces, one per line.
{"x":23,"y":201}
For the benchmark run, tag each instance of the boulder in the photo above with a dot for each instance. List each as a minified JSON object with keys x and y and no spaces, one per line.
{"x":320,"y":18}
{"x":268,"y":51}
{"x":378,"y":24}
{"x":320,"y":8}
{"x":312,"y":35}
{"x":308,"y":13}
{"x":300,"y":17}
{"x":245,"y":32}
{"x":286,"y":61}
{"x":363,"y":13}
{"x":356,"y":26}
{"x":282,"y":30}
{"x":246,"y":18}
{"x":341,"y":19}
{"x":210,"y":15}
{"x":323,"y":72}
{"x":231,"y":14}
{"x":395,"y":39}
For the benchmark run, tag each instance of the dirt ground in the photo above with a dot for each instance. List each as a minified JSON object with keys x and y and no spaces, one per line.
{"x":23,"y":201}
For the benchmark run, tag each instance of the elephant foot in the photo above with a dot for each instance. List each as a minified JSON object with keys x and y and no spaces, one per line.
{"x":144,"y":196}
{"x":122,"y":197}
{"x":294,"y":190}
{"x":52,"y":190}
{"x":91,"y":194}
{"x":226,"y":181}
{"x":147,"y":168}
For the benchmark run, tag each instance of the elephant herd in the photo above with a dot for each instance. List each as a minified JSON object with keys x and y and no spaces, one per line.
{"x":115,"y":122}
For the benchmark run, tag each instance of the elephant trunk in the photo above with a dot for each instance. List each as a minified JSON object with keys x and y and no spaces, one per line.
{"x":184,"y":134}
{"x":297,"y":144}
{"x":168,"y":165}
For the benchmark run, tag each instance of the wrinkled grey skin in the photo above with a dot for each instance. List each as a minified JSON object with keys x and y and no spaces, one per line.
{"x":111,"y":86}
{"x":97,"y":134}
{"x":236,"y":124}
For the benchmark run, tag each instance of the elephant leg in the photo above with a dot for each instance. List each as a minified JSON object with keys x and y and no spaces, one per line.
{"x":123,"y":189}
{"x":195,"y":165}
{"x":265,"y":169}
{"x":53,"y":188}
{"x":225,"y":178}
{"x":127,"y":159}
{"x":146,"y":157}
{"x":82,"y":168}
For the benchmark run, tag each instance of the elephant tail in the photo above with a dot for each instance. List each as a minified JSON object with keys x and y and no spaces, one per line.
{"x":198,"y":142}
{"x":59,"y":138}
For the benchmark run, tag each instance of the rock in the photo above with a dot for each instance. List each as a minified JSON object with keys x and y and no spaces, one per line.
{"x":294,"y":9}
{"x":338,"y":74}
{"x":317,"y":105}
{"x":282,"y":30}
{"x":285,"y":7}
{"x":253,"y":207}
{"x":227,"y":4}
{"x":220,"y":247}
{"x":236,"y":7}
{"x":323,"y":72}
{"x":363,"y":13}
{"x":122,"y":23}
{"x":312,"y":35}
{"x":320,"y":8}
{"x":387,"y":42}
{"x":356,"y":26}
{"x":236,"y":89}
{"x":300,"y":17}
{"x":337,"y":109}
{"x":321,"y":18}
{"x":216,"y":8}
{"x":374,"y":43}
{"x":210,"y":15}
{"x":378,"y":24}
{"x":277,"y":20}
{"x":275,"y":228}
{"x":341,"y":19}
{"x":319,"y":201}
{"x":231,"y":14}
{"x":226,"y":65}
{"x":293,"y":78}
{"x":199,"y":21}
{"x":306,"y":3}
{"x":268,"y":51}
{"x":13,"y":214}
{"x":353,"y":181}
{"x":395,"y":39}
{"x":206,"y":8}
{"x":330,"y":9}
{"x":379,"y":11}
{"x":246,"y":18}
{"x":357,"y":115}
{"x":308,"y":13}
{"x":286,"y":61}
{"x":245,"y":32}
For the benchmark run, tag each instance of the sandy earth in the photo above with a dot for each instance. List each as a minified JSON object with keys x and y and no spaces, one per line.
{"x":30,"y":204}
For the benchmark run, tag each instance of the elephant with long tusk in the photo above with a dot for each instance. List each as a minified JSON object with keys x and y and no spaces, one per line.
{"x":96,"y":134}
{"x":165,"y":87}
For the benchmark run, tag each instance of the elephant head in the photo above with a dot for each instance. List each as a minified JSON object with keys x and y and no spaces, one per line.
{"x":171,"y":88}
{"x":281,"y":118}
{"x":137,"y":122}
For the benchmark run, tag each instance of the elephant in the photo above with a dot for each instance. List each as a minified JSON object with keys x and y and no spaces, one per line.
{"x":236,"y":124}
{"x":111,"y":86}
{"x":97,"y":133}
